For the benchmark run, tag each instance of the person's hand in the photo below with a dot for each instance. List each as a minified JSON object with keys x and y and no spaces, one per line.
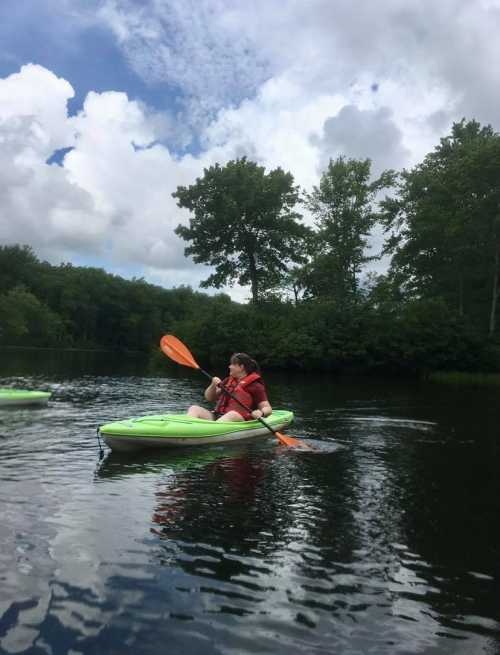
{"x":216,"y":381}
{"x":257,"y":414}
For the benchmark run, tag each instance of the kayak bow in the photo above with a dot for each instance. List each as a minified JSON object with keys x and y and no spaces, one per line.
{"x":12,"y":397}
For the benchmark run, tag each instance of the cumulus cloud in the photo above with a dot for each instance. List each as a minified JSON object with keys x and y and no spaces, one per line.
{"x":364,"y":134}
{"x":111,"y":197}
{"x":22,"y":97}
{"x":277,"y":128}
{"x":131,"y":178}
{"x":35,"y":197}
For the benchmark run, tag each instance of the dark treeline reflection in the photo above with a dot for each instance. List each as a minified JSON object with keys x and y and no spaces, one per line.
{"x":256,"y":505}
{"x":449,"y":519}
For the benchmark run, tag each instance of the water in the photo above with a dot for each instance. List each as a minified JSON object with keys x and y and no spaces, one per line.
{"x":386,"y":539}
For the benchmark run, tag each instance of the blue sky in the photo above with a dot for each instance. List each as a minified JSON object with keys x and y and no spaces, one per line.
{"x":74,"y":46}
{"x":106,"y":106}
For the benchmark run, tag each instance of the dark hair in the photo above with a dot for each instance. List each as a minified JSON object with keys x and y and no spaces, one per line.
{"x":246,"y":361}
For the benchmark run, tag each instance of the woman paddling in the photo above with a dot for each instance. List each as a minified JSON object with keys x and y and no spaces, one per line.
{"x":244,"y":382}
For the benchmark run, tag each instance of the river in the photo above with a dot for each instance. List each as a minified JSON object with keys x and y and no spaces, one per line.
{"x":384,"y":539}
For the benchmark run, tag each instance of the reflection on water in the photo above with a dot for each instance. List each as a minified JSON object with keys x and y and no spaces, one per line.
{"x":385,"y":540}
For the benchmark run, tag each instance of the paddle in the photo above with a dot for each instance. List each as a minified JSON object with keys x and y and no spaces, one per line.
{"x":176,"y":350}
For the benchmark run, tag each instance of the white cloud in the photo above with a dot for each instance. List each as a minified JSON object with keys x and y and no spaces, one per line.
{"x":277,"y":128}
{"x":364,"y":134}
{"x":36,"y":96}
{"x":112,"y":195}
{"x":35,"y":197}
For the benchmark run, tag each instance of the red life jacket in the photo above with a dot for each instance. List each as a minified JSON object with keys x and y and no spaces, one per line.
{"x":237,"y":387}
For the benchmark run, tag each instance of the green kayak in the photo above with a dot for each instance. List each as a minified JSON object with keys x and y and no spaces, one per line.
{"x":10,"y":397}
{"x":169,"y":430}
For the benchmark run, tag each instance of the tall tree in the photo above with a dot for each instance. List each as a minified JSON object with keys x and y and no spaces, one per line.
{"x":445,"y":222}
{"x":344,"y":210}
{"x":243,"y":224}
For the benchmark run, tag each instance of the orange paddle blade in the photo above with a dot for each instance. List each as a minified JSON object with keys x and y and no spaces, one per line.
{"x":290,"y":441}
{"x":176,"y":350}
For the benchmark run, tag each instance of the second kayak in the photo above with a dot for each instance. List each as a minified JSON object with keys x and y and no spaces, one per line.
{"x":169,"y":430}
{"x":12,"y":397}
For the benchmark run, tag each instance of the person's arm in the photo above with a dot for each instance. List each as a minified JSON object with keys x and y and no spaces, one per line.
{"x":259,"y":394}
{"x":264,"y":409}
{"x":213,"y":391}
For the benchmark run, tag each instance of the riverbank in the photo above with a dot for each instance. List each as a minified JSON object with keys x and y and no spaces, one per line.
{"x":156,"y":360}
{"x":466,"y":379}
{"x":75,"y":349}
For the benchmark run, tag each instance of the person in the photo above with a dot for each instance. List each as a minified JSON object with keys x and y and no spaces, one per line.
{"x":245,"y":382}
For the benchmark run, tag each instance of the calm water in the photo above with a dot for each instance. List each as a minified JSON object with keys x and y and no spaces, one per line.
{"x":385,"y":540}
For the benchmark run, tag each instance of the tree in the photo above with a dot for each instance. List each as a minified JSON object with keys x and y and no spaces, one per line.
{"x":18,"y":265}
{"x":445,"y":220}
{"x":343,"y":207}
{"x":244,"y":224}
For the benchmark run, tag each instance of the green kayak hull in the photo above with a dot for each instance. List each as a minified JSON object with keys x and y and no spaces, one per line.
{"x":168,"y":430}
{"x":11,"y":397}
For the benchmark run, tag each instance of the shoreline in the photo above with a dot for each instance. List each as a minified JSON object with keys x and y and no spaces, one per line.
{"x":465,"y":379}
{"x":75,"y":349}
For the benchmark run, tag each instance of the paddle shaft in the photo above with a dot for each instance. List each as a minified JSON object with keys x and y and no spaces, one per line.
{"x":231,"y":395}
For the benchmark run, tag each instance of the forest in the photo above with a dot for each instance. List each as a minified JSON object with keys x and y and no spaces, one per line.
{"x":313,"y":306}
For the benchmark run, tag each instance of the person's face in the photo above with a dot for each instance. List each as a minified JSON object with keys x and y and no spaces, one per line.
{"x":236,"y":370}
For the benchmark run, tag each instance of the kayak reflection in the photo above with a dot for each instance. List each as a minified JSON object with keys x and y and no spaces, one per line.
{"x":207,"y":523}
{"x":118,"y":465}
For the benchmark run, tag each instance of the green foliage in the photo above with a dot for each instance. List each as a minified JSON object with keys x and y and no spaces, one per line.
{"x":23,"y":316}
{"x":243,"y":223}
{"x":343,"y":207}
{"x":87,"y":307}
{"x":17,"y":266}
{"x":416,"y":337}
{"x":382,"y":331}
{"x":445,"y":224}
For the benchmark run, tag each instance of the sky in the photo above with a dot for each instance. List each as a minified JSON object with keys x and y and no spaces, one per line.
{"x":107,"y":106}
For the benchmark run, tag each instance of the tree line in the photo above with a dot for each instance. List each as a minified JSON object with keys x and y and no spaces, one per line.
{"x":82,"y":307}
{"x":312,"y":303}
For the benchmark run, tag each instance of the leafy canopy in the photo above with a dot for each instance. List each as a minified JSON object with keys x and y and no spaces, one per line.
{"x":343,"y":207}
{"x":445,"y":220}
{"x":243,"y":223}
